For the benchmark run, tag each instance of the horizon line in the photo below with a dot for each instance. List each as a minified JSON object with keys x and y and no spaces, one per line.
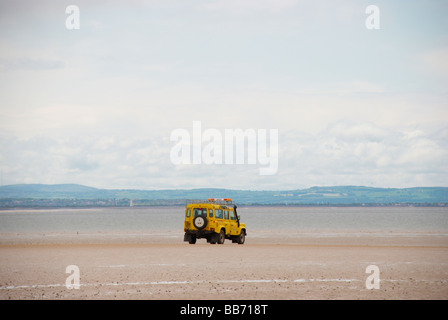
{"x":198,"y":188}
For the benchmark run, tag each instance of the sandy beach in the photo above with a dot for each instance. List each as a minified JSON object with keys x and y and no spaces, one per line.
{"x":290,"y":266}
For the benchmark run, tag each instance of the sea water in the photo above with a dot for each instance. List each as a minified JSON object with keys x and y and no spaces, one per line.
{"x":354,"y":219}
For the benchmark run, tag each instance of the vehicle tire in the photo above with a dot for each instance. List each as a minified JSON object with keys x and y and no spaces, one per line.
{"x":192,"y":240}
{"x":241,"y":238}
{"x":200,"y":222}
{"x":214,"y":238}
{"x":221,"y":237}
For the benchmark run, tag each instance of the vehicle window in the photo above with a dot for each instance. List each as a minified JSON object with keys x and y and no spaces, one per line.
{"x":199,"y":211}
{"x":210,"y":213}
{"x":232,"y":215}
{"x":188,"y":213}
{"x":218,"y":213}
{"x":226,"y":214}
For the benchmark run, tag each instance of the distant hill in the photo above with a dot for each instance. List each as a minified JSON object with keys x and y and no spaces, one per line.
{"x":79,"y":195}
{"x":50,"y":191}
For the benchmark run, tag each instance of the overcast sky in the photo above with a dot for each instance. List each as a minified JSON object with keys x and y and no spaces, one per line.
{"x":97,"y":105}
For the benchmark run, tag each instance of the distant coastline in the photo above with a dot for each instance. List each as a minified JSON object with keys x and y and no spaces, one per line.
{"x":79,"y":196}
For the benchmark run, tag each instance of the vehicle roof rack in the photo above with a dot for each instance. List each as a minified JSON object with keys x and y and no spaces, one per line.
{"x":225,"y":201}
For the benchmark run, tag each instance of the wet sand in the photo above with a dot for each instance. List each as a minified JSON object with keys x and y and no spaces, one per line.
{"x":320,"y":265}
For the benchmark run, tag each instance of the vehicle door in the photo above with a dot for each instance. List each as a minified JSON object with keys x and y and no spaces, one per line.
{"x":219,"y":219}
{"x":226,"y":220}
{"x":187,"y":221}
{"x":199,"y":212}
{"x":233,"y":224}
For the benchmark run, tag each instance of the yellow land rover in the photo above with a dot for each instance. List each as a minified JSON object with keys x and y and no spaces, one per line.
{"x":214,"y":220}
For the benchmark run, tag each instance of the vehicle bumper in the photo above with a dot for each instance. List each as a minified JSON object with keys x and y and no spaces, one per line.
{"x":198,"y":234}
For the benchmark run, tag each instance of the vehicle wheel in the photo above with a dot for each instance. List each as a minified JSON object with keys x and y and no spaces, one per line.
{"x":241,"y":238}
{"x":192,"y":240}
{"x":214,"y":238}
{"x":200,"y":222}
{"x":221,"y":237}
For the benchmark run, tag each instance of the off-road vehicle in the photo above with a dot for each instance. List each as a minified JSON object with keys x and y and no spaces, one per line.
{"x":214,"y":220}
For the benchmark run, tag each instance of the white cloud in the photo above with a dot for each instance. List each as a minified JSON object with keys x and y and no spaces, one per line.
{"x":386,"y":158}
{"x":341,"y":154}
